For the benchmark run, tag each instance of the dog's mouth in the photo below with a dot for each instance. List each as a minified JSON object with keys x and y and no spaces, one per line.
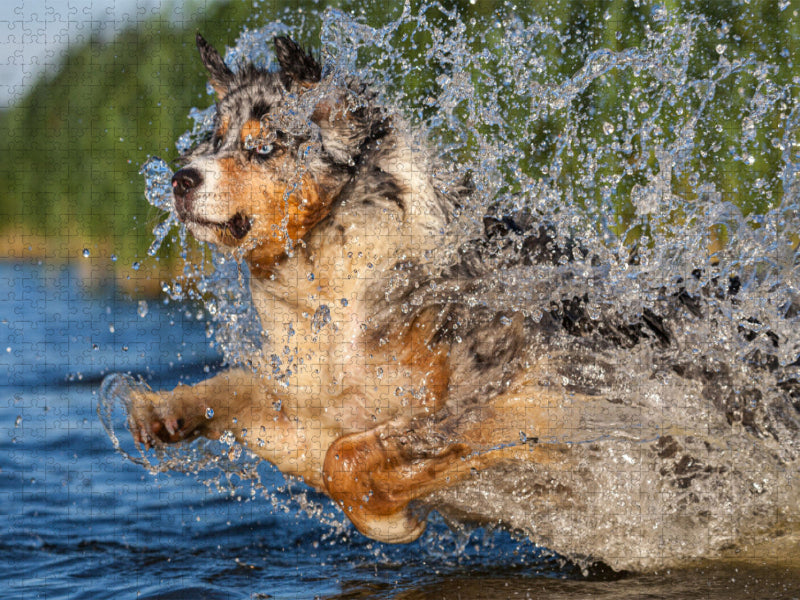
{"x":237,"y":226}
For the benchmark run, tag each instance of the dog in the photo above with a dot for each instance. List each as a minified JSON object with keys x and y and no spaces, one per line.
{"x":382,"y":384}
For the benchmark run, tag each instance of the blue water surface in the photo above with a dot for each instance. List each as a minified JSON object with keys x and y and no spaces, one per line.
{"x":82,"y":521}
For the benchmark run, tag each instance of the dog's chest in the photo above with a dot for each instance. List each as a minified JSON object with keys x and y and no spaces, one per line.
{"x":321,"y":361}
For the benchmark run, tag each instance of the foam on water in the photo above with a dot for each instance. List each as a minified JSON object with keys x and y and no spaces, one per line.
{"x":628,"y":156}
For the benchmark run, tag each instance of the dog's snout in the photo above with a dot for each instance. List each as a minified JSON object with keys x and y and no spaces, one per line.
{"x":185,"y":180}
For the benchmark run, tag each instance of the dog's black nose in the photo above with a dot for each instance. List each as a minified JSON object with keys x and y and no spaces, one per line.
{"x":185,"y":180}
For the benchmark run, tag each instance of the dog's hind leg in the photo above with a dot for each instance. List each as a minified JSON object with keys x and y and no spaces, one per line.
{"x":374,"y":476}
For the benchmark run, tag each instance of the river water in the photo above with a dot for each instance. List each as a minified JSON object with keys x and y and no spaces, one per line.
{"x":82,"y":521}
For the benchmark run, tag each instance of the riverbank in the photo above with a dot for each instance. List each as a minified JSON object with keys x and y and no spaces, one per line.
{"x":99,"y":263}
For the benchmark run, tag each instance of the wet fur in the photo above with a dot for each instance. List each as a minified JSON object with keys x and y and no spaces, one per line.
{"x":395,"y":391}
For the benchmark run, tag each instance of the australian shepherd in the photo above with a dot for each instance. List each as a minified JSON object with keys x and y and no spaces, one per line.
{"x":390,"y":384}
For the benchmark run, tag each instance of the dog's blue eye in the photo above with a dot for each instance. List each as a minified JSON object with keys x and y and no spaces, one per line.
{"x":259,"y":147}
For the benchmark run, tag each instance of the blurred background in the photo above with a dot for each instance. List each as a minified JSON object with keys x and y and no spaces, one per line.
{"x":89,"y":91}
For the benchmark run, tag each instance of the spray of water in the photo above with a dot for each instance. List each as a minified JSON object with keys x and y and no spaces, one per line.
{"x":627,"y":158}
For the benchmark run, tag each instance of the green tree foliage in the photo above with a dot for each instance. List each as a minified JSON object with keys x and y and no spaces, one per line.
{"x":74,"y":144}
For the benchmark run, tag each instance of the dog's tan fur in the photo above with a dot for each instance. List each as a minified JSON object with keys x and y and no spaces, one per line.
{"x":376,"y":420}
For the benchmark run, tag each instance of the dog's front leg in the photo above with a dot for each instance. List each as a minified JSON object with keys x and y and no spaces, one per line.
{"x":205,"y":409}
{"x":235,"y":402}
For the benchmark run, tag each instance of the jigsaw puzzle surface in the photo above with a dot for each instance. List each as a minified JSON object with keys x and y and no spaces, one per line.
{"x":464,"y":301}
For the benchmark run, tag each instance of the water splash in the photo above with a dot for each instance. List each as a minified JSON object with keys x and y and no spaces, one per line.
{"x":629,"y":157}
{"x":219,"y":281}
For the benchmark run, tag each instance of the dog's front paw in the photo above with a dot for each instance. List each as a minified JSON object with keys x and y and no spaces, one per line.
{"x":153,"y":417}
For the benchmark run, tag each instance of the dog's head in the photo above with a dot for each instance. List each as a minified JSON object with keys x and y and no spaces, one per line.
{"x":282,"y":149}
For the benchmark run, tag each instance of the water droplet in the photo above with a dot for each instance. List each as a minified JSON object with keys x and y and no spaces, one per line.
{"x":321,"y":317}
{"x":142,"y":308}
{"x":720,"y":48}
{"x":659,"y":13}
{"x":86,"y":253}
{"x":608,"y":128}
{"x":113,"y":258}
{"x":523,"y":437}
{"x":310,"y":277}
{"x":135,"y":266}
{"x":18,"y":421}
{"x":111,"y":328}
{"x":209,"y":413}
{"x":344,"y":301}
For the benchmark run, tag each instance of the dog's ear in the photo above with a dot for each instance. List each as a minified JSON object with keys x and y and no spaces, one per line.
{"x":220,"y":76}
{"x":296,"y":64}
{"x":347,"y":121}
